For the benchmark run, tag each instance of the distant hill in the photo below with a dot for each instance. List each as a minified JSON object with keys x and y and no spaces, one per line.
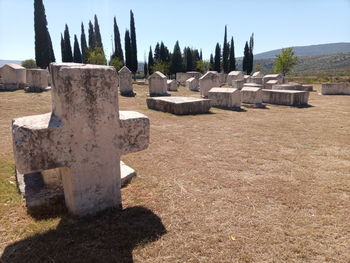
{"x":338,"y":64}
{"x":313,"y":50}
{"x":3,"y":62}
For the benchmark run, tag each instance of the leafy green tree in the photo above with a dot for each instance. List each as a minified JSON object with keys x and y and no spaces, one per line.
{"x":134,"y":63}
{"x":43,"y":46}
{"x":150,"y":61}
{"x":92,"y":38}
{"x":29,"y":63}
{"x":285,"y":62}
{"x":128,"y":50}
{"x":67,"y":46}
{"x":98,"y":34}
{"x":162,"y":67}
{"x":77,"y":54}
{"x":96,"y":56}
{"x":211,"y":62}
{"x":217,"y":58}
{"x":225,"y":53}
{"x":246,"y":57}
{"x":84,"y":48}
{"x":117,"y":43}
{"x":232,"y":60}
{"x":176,"y":59}
{"x":116,"y":63}
{"x":258,"y":67}
{"x":202,"y":65}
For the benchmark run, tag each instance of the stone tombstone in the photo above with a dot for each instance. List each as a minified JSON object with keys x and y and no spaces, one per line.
{"x":225,"y":97}
{"x":208,"y":81}
{"x":82,"y":136}
{"x":277,"y":77}
{"x":290,"y":86}
{"x":234,"y":75}
{"x":252,"y":96}
{"x":269,"y":84}
{"x":13,"y":77}
{"x":158,"y":84}
{"x":247,"y":78}
{"x":285,"y":97}
{"x":257,"y":78}
{"x":335,"y":88}
{"x":125,"y":82}
{"x":172,"y":85}
{"x":181,"y":77}
{"x":192,"y":84}
{"x":37,"y":80}
{"x":222,"y":78}
{"x":253,"y":85}
{"x":238,"y":84}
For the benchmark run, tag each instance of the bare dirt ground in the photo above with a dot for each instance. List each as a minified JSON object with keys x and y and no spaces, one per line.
{"x":261,"y":185}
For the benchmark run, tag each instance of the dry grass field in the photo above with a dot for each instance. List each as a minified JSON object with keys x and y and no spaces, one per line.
{"x":259,"y":185}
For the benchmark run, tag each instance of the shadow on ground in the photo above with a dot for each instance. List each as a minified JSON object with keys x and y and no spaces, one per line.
{"x":108,"y":237}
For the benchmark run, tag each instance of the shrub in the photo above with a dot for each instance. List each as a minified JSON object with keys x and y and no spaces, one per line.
{"x":29,"y":63}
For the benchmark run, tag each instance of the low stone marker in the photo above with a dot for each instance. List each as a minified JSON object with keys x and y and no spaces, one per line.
{"x":285,"y":97}
{"x":238,"y":84}
{"x":278,"y":77}
{"x":290,"y":86}
{"x":257,"y":78}
{"x":37,"y":80}
{"x":83,"y":136}
{"x":222,"y":78}
{"x":172,"y":85}
{"x":13,"y":77}
{"x":181,"y":77}
{"x":192,"y":84}
{"x":125,"y":82}
{"x":208,"y":81}
{"x":252,"y":96}
{"x":158,"y":84}
{"x":179,"y":105}
{"x":308,"y":87}
{"x":335,"y":88}
{"x":225,"y":97}
{"x":269,"y":84}
{"x":235,"y":75}
{"x":247,"y":78}
{"x":253,"y":85}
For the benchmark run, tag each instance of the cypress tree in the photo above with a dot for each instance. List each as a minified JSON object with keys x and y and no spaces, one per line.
{"x":98,"y":34}
{"x":232,"y":61}
{"x":217,"y":59}
{"x":43,"y":54}
{"x":157,"y":53}
{"x":251,"y":56}
{"x":52,"y":53}
{"x":200,"y":55}
{"x":176,"y":59}
{"x":63,"y":52}
{"x":150,"y":61}
{"x":128,"y":51}
{"x":134,"y":64}
{"x":211,"y":62}
{"x":117,"y":43}
{"x":225,"y":53}
{"x":145,"y":69}
{"x":188,"y":59}
{"x":83,"y":44}
{"x":92,"y":38}
{"x":162,"y":52}
{"x":77,"y":54}
{"x":246,"y":57}
{"x":67,"y":45}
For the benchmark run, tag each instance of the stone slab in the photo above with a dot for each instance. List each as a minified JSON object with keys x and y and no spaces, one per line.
{"x":335,"y":89}
{"x":179,"y":105}
{"x":251,"y":95}
{"x":225,"y":97}
{"x":290,"y":86}
{"x":172,"y":85}
{"x":44,"y":189}
{"x":285,"y":97}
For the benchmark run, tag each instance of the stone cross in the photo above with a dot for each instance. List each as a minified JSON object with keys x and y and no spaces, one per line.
{"x":82,"y":136}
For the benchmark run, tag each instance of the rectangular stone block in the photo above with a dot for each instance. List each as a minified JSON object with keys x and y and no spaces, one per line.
{"x":172,"y":85}
{"x":251,"y":95}
{"x":179,"y":105}
{"x":335,"y":89}
{"x":207,"y":81}
{"x":37,"y":78}
{"x":269,"y":84}
{"x":158,"y":84}
{"x":192,"y":84}
{"x":285,"y":97}
{"x":290,"y":86}
{"x":225,"y":97}
{"x":238,"y":84}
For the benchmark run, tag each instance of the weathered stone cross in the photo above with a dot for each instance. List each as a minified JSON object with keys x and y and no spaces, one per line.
{"x":83,"y":136}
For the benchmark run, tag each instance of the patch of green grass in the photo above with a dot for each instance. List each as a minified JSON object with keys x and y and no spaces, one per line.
{"x":9,"y":195}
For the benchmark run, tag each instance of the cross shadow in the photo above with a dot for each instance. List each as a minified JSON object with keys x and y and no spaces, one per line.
{"x":108,"y":237}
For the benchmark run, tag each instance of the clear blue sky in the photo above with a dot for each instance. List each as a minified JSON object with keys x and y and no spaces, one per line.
{"x":198,"y":24}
